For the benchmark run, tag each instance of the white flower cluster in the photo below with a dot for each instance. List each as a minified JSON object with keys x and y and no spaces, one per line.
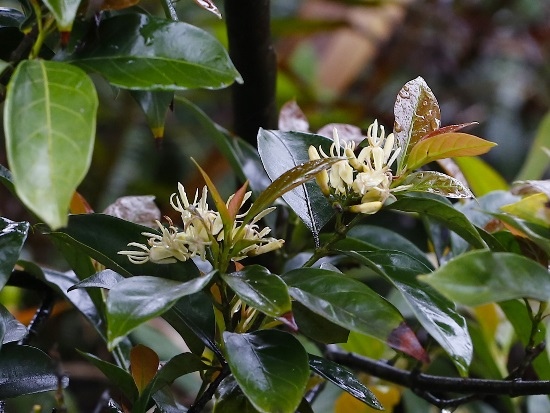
{"x":201,"y":228}
{"x":367,"y":175}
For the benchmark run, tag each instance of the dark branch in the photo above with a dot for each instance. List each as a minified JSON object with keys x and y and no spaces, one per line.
{"x":251,"y":50}
{"x":429,"y":384}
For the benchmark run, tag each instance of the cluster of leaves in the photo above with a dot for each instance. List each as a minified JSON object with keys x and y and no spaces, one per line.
{"x":242,"y":324}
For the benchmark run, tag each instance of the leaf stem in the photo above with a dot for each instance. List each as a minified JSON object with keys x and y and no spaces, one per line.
{"x":169,"y":10}
{"x":340,"y":232}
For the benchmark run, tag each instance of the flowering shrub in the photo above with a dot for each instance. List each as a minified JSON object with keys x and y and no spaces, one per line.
{"x":268,"y":314}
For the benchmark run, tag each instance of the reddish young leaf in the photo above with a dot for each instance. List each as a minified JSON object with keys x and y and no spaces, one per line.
{"x":447,"y":129}
{"x":446,"y":145}
{"x":236,"y":201}
{"x":402,"y":338}
{"x":144,"y":364}
{"x":79,"y":205}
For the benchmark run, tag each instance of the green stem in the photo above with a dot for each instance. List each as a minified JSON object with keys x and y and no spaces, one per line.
{"x":339,"y":234}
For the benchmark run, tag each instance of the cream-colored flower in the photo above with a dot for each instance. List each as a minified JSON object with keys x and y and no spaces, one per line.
{"x":202,"y":228}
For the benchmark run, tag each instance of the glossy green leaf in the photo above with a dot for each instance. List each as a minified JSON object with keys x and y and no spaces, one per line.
{"x":64,"y":12}
{"x":316,"y":327}
{"x":480,"y":277}
{"x":473,"y":168}
{"x":344,"y":379}
{"x":61,"y":282}
{"x":12,"y":237}
{"x":260,"y":289}
{"x":537,"y":161}
{"x":49,"y":117}
{"x":436,"y":314}
{"x":447,"y":145}
{"x":416,"y":114}
{"x":27,"y":370}
{"x":379,"y":238}
{"x":10,"y":17}
{"x":350,"y":304}
{"x":252,"y":167}
{"x":230,"y":398}
{"x":6,"y":179}
{"x":437,"y":183}
{"x":138,"y":52}
{"x":271,"y":368}
{"x":116,"y":375}
{"x":154,"y":105}
{"x":138,"y":299}
{"x":177,"y":366}
{"x":538,"y":234}
{"x":13,"y":330}
{"x":280,"y":151}
{"x":103,"y":279}
{"x":441,"y":212}
{"x":478,"y":212}
{"x":193,"y":318}
{"x":102,"y":236}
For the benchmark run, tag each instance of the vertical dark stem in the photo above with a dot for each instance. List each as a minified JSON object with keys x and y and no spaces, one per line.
{"x":40,"y":317}
{"x":251,"y":50}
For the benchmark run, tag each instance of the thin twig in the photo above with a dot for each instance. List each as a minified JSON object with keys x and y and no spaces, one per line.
{"x":41,"y":315}
{"x":439,"y":384}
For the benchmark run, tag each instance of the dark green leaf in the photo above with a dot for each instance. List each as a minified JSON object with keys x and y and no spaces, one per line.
{"x":436,"y":314}
{"x":260,"y":289}
{"x":281,"y":151}
{"x":138,"y":52}
{"x":138,"y":299}
{"x":27,"y":370}
{"x":13,"y":329}
{"x":317,"y":327}
{"x":104,"y":279}
{"x":102,"y":236}
{"x":251,"y":165}
{"x":271,"y":368}
{"x":61,"y":283}
{"x":230,"y":398}
{"x":480,"y":277}
{"x":416,"y":114}
{"x":441,"y":212}
{"x":49,"y":117}
{"x":12,"y":237}
{"x":10,"y":17}
{"x":476,"y":210}
{"x":6,"y":179}
{"x":379,"y":238}
{"x":437,"y":183}
{"x":116,"y":375}
{"x":177,"y":366}
{"x":344,"y":379}
{"x":350,"y":304}
{"x":193,"y":318}
{"x":154,"y":105}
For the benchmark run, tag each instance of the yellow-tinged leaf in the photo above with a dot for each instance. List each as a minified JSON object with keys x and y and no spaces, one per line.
{"x":481,"y":177}
{"x":388,"y":396}
{"x":489,"y":319}
{"x":446,"y":145}
{"x":533,"y":208}
{"x":144,"y":364}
